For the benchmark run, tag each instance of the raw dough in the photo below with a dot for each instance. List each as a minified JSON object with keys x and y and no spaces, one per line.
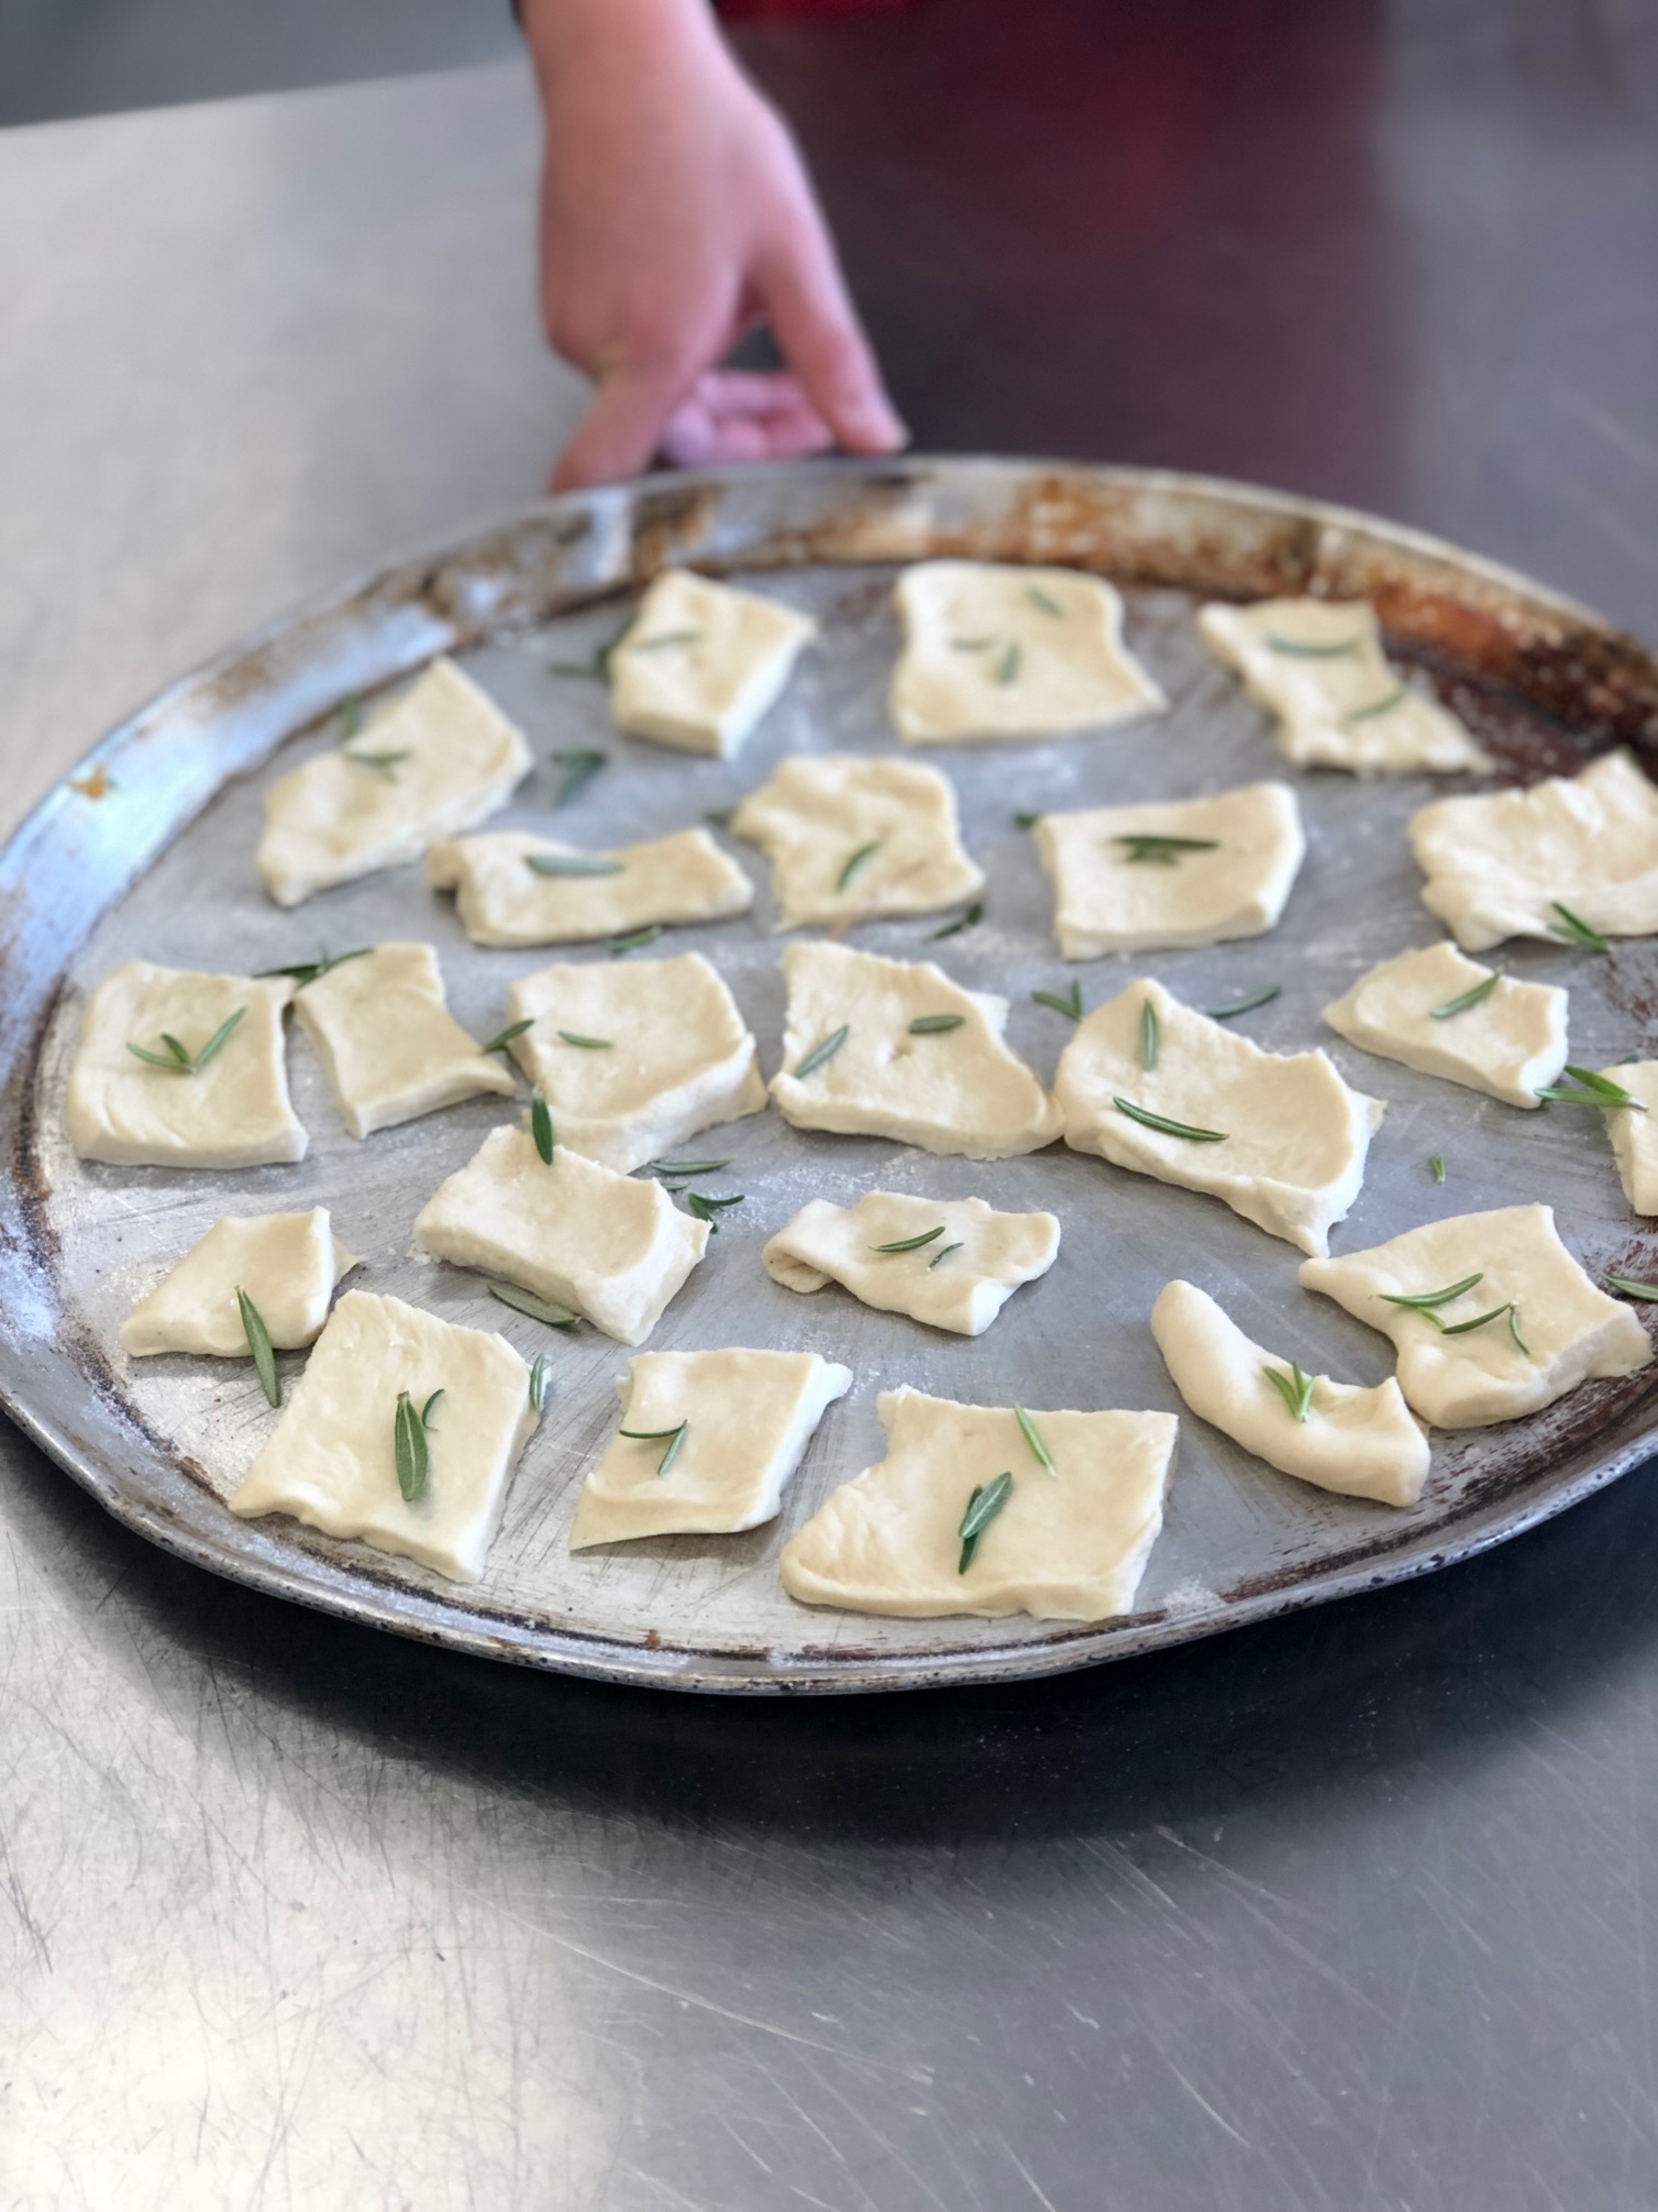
{"x":961,"y":1281}
{"x":573,"y":1232}
{"x":388,"y":1044}
{"x":502,"y":900}
{"x":1321,"y":697}
{"x":1106,"y":901}
{"x":1510,"y":1045}
{"x":749,"y":1417}
{"x":679,"y":1057}
{"x":1066,"y":1547}
{"x":288,"y":1264}
{"x":954,"y":1090}
{"x":818,"y":812}
{"x":1363,"y":1443}
{"x":1498,"y":865}
{"x":331,"y":1460}
{"x":1573,"y":1330}
{"x":702,"y":663}
{"x":1296,"y":1135}
{"x":1634,"y":1136}
{"x":985,"y":656}
{"x":233,"y":1113}
{"x":336,"y":818}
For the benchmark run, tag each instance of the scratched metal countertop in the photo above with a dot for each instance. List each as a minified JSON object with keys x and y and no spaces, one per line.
{"x":1352,"y":1911}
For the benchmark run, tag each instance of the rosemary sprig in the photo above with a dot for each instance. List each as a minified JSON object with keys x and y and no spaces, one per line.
{"x":426,"y":1409}
{"x":687,"y":1167}
{"x":597,"y":665}
{"x":540,"y":1127}
{"x":1167,"y":1127}
{"x":1295,"y":1387}
{"x":1071,"y":1005}
{"x":710,"y":1209}
{"x":1008,"y":667}
{"x":1033,"y":1437}
{"x":943,"y":1251}
{"x":986,"y":1502}
{"x":383,"y":763}
{"x":409,"y":1447}
{"x":1462,"y":1328}
{"x":1161,"y":852}
{"x":572,"y":864}
{"x":634,"y":940}
{"x":579,"y":764}
{"x":1384,"y":706}
{"x":1571,"y":929}
{"x":1592,"y":1091}
{"x":1515,"y":1331}
{"x":935,"y":1025}
{"x":912,"y":1243}
{"x":588,"y":1044}
{"x":538,"y":1309}
{"x":307,"y":971}
{"x":503,"y":1038}
{"x":1304,"y":647}
{"x":259,"y":1344}
{"x":1151,"y":1036}
{"x":1423,"y":1301}
{"x":1435,"y":1166}
{"x":674,"y":1439}
{"x":1247,"y":1004}
{"x":863,"y":853}
{"x":1044,"y":600}
{"x":820,"y":1054}
{"x":969,"y":919}
{"x":539,"y":1385}
{"x":1462,"y":1004}
{"x":1631,"y":1286}
{"x":1025,"y":821}
{"x":177,"y":1061}
{"x":666,"y":638}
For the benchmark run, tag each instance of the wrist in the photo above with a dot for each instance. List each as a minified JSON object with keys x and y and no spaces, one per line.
{"x":589,"y":38}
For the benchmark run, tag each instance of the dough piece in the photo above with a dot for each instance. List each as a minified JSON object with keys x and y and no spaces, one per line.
{"x":388,"y":1044}
{"x":232,"y":1113}
{"x":951,"y":1090}
{"x":819,"y":812}
{"x":1634,"y":1137}
{"x":1336,"y":708}
{"x":702,"y":663}
{"x":288,"y":1264}
{"x":960,"y":1281}
{"x":574,"y":1233}
{"x":331,"y":1459}
{"x":1363,"y":1443}
{"x":336,"y":818}
{"x":993,"y":652}
{"x":1294,"y":1135}
{"x":1503,"y":865}
{"x":748,"y":1418}
{"x":1510,"y":1045}
{"x":1109,"y":901}
{"x":502,"y":900}
{"x":677,"y":1057}
{"x":1573,"y":1330}
{"x":1066,"y":1547}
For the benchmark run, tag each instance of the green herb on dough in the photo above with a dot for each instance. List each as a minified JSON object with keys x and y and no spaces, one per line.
{"x":177,"y":1061}
{"x":863,"y":853}
{"x":1423,"y":1301}
{"x":1384,"y":706}
{"x":1571,"y":929}
{"x":1462,"y":1004}
{"x":1161,"y":852}
{"x":1295,"y":1387}
{"x":1167,"y":1127}
{"x":1149,"y":1036}
{"x":1305,"y":649}
{"x":986,"y":1502}
{"x":572,"y":864}
{"x":503,"y":1038}
{"x":259,"y":1343}
{"x":540,"y":1127}
{"x":821,"y":1054}
{"x":912,"y":1243}
{"x":933,"y":1025}
{"x":943,"y":1251}
{"x":674,"y":1439}
{"x":307,"y":971}
{"x":538,"y":1309}
{"x":1033,"y":1437}
{"x":1592,"y":1091}
{"x":1046,"y":601}
{"x":708,"y":1209}
{"x":409,"y":1448}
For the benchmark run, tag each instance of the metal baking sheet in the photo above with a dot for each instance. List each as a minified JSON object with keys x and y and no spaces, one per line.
{"x":148,"y":851}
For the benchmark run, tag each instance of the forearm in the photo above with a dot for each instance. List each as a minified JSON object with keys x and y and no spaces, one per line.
{"x":593,"y":39}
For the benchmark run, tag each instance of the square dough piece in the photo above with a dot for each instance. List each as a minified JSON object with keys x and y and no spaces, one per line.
{"x":235,"y":1112}
{"x":288,"y":1264}
{"x":748,"y":1417}
{"x":331,"y":1459}
{"x":502,"y":900}
{"x":1502,"y":865}
{"x":1295,"y":1137}
{"x":1509,"y":1046}
{"x":1066,"y":1547}
{"x":951,"y":1090}
{"x":336,"y":819}
{"x":1634,"y":1136}
{"x":1573,"y":1330}
{"x":819,"y":812}
{"x":677,"y":1057}
{"x":1106,"y":901}
{"x":960,"y":1281}
{"x":1361,"y":1443}
{"x":702,"y":663}
{"x":388,"y":1044}
{"x":1317,"y":664}
{"x":573,"y":1232}
{"x":1009,"y":652}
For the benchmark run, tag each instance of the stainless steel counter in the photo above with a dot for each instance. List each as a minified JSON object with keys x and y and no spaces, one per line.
{"x":1350,"y":1912}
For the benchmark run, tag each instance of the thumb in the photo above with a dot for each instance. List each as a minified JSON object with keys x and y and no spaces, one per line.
{"x":821,"y":339}
{"x":623,"y":427}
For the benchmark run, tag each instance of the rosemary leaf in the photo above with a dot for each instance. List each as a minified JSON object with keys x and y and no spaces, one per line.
{"x":597,"y":668}
{"x":675,"y":1437}
{"x":863,"y":853}
{"x":1304,"y":647}
{"x":540,"y":1127}
{"x":409,"y":1449}
{"x":631,"y":943}
{"x":821,"y":1054}
{"x":1423,"y":1301}
{"x":1462,"y":1328}
{"x":914,"y":1243}
{"x":1032,"y":1436}
{"x":588,"y":1044}
{"x":687,"y":1167}
{"x":666,"y":638}
{"x":579,"y":764}
{"x":572,"y":864}
{"x":1046,"y":601}
{"x":426,"y":1409}
{"x":539,"y":1383}
{"x":177,"y":1061}
{"x":350,"y":717}
{"x":1515,"y":1331}
{"x":1071,"y":1005}
{"x":969,"y":919}
{"x":943,"y":1251}
{"x":1167,"y":1127}
{"x":1262,"y":997}
{"x":1295,"y":1387}
{"x":1384,"y":706}
{"x":180,"y":1059}
{"x":1631,"y":1286}
{"x":259,"y":1343}
{"x":538,"y":1309}
{"x":1025,"y":821}
{"x":986,"y":1502}
{"x":1151,"y":1036}
{"x":159,"y":1059}
{"x":1163,"y":852}
{"x":307,"y":971}
{"x":933,"y":1025}
{"x":1592,"y":1091}
{"x":1460,"y":1005}
{"x":503,"y":1038}
{"x":710,"y":1209}
{"x":1435,"y":1166}
{"x":383,"y":763}
{"x":1008,"y":667}
{"x":1571,"y":929}
{"x":720,"y":817}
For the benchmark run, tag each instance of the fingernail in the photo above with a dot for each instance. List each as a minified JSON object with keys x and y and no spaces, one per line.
{"x":878,"y":425}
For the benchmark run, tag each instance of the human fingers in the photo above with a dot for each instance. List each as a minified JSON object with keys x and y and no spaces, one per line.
{"x":736,"y":415}
{"x":622,"y":429}
{"x":821,"y":339}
